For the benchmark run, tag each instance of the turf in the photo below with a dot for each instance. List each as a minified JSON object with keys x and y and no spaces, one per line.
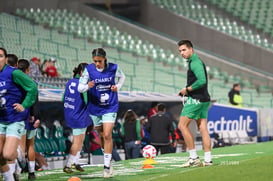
{"x":243,"y":162}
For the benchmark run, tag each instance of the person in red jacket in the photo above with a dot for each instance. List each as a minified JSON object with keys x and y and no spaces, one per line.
{"x":51,"y":69}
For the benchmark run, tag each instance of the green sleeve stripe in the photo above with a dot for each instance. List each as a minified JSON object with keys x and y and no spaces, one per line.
{"x":23,"y":80}
{"x":85,"y":97}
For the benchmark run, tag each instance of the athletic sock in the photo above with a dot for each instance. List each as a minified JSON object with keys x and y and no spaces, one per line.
{"x":71,"y":160}
{"x":78,"y":155}
{"x":12,"y":167}
{"x":31,"y":166}
{"x":207,"y":156}
{"x":8,"y":176}
{"x":193,"y":153}
{"x":107,"y":159}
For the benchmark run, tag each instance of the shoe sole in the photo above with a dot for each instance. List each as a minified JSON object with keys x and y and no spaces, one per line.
{"x":69,"y":172}
{"x":78,"y":170}
{"x":107,"y":176}
{"x":206,"y":165}
{"x":194,"y":165}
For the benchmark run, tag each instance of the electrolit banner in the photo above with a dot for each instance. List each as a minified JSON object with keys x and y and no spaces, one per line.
{"x":227,"y":118}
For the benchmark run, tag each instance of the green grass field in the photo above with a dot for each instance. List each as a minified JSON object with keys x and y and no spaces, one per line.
{"x":253,"y":162}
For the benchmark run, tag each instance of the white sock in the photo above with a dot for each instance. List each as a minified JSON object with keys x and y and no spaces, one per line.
{"x":71,"y":160}
{"x":18,"y":169}
{"x":12,"y":167}
{"x":8,"y":176}
{"x":78,"y":157}
{"x":207,"y":156}
{"x":31,"y":166}
{"x":107,"y":159}
{"x":193,"y":153}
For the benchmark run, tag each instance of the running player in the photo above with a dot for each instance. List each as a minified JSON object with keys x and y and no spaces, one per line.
{"x":76,"y":117}
{"x":103,"y":99}
{"x":13,"y":103}
{"x":31,"y":123}
{"x":196,"y":106}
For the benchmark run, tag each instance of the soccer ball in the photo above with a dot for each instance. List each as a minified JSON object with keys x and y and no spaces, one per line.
{"x":149,"y":151}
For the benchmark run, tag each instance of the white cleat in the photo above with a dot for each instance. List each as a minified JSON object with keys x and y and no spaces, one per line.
{"x":192,"y":163}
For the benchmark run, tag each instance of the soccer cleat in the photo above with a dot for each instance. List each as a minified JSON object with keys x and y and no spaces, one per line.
{"x":67,"y":170}
{"x":31,"y":176}
{"x":204,"y":164}
{"x":107,"y":172}
{"x":77,"y":167}
{"x":192,"y":163}
{"x":16,"y":177}
{"x":17,"y":172}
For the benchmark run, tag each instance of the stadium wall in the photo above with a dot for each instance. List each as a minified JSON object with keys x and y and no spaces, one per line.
{"x":256,"y":122}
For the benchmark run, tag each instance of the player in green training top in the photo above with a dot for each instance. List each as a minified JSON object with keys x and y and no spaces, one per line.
{"x":18,"y":92}
{"x":197,"y":105}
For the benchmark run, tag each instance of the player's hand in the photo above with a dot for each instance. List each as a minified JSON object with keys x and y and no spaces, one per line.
{"x":18,"y":107}
{"x":31,"y":120}
{"x":174,"y":144}
{"x":37,"y":123}
{"x":182,"y":92}
{"x":114,"y":88}
{"x":91,"y":84}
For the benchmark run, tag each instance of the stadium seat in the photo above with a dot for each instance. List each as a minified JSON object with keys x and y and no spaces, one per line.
{"x":51,"y":146}
{"x":243,"y":137}
{"x":225,"y":136}
{"x":59,"y":137}
{"x":38,"y":144}
{"x":233,"y":137}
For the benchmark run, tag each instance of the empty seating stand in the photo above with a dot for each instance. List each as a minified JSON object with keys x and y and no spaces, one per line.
{"x":142,"y":71}
{"x":206,"y":16}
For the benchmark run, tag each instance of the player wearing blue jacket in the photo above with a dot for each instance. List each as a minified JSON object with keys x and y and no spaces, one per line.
{"x":76,"y":117}
{"x":103,"y":99}
{"x":13,"y":105}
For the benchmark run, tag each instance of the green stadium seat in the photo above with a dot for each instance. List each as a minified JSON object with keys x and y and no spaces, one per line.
{"x":38,"y":144}
{"x":59,"y":137}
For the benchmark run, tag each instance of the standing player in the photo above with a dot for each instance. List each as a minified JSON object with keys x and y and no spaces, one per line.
{"x":12,"y":110}
{"x":196,"y":106}
{"x":12,"y":60}
{"x":77,"y":117}
{"x":103,"y":100}
{"x":31,"y":123}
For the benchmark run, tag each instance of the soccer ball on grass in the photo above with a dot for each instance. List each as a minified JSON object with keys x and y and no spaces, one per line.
{"x":149,"y":152}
